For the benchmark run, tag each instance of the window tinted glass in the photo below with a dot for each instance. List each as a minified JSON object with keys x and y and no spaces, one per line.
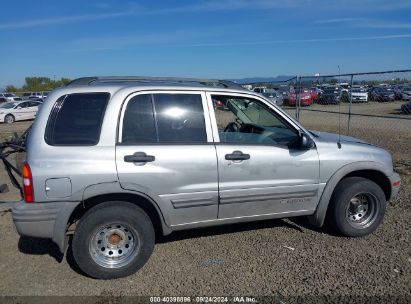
{"x":249,"y":121}
{"x":138,"y":123}
{"x":180,"y":118}
{"x":76,"y":119}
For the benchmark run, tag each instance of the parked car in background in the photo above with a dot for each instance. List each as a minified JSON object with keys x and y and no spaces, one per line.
{"x":397,"y":91}
{"x":357,"y":95}
{"x":220,"y":105}
{"x":21,"y":110}
{"x":285,"y":92}
{"x":273,"y":96}
{"x":330,"y":95}
{"x":381,"y":94}
{"x":406,"y":108}
{"x":405,"y":93}
{"x":33,"y":95}
{"x":305,"y":97}
{"x":3,"y":100}
{"x":10,"y":97}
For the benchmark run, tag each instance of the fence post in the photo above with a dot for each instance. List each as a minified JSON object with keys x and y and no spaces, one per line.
{"x":349,"y":108}
{"x":297,"y":103}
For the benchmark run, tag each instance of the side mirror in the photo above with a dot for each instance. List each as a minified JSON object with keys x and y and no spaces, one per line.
{"x":306,"y":143}
{"x":18,"y":108}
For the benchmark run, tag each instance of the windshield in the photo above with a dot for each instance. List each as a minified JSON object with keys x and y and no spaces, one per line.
{"x":358,"y":90}
{"x":330,"y":91}
{"x":7,"y":105}
{"x":270,"y":95}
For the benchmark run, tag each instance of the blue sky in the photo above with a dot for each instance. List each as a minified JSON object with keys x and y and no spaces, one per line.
{"x":214,"y":39}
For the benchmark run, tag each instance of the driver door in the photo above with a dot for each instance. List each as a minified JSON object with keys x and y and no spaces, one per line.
{"x":261,"y":170}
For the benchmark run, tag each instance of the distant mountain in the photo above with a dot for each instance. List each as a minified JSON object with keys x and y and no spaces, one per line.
{"x":280,"y":78}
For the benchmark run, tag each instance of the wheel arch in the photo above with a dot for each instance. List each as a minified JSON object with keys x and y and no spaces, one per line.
{"x":139,"y":199}
{"x":10,"y":114}
{"x":373,"y":171}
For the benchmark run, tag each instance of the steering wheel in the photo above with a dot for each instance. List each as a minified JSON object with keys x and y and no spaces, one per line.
{"x":232,"y":127}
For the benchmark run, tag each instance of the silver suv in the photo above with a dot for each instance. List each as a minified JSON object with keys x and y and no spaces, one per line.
{"x":115,"y":161}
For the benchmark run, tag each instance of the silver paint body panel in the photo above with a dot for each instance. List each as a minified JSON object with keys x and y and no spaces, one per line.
{"x":191,"y":185}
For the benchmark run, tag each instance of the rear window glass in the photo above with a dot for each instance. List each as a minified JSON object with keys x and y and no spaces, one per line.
{"x":76,"y":119}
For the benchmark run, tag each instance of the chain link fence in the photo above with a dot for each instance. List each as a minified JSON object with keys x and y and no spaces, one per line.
{"x":375,"y":107}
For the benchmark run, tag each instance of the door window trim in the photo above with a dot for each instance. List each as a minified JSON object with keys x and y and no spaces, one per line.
{"x":244,"y":95}
{"x":206,"y":114}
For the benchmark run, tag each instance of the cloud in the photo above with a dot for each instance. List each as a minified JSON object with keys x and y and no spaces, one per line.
{"x":268,"y":42}
{"x":385,"y":25}
{"x":134,"y":9}
{"x":119,"y":42}
{"x":62,"y":20}
{"x":337,"y":20}
{"x":365,"y":23}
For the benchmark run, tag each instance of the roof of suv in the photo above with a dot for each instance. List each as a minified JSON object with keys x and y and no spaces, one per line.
{"x":139,"y":81}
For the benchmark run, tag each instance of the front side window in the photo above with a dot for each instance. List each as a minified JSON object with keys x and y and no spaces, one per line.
{"x":164,"y":118}
{"x":249,"y":121}
{"x":76,"y":119}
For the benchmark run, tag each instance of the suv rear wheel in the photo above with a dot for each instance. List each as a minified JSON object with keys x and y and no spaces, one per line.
{"x":357,"y":207}
{"x":113,"y":240}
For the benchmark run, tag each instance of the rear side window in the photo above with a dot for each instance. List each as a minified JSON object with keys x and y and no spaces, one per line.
{"x":76,"y":119}
{"x":164,"y":118}
{"x":180,"y":118}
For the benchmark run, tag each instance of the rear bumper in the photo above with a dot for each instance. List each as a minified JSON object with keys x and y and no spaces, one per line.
{"x":43,"y":220}
{"x":395,"y":181}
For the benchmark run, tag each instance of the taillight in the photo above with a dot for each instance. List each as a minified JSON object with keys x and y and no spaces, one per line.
{"x":27,"y":184}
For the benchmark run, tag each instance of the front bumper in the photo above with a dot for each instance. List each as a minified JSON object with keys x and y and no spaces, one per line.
{"x":43,"y":220}
{"x":395,"y":182}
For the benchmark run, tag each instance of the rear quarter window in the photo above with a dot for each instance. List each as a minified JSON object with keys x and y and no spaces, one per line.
{"x":75,"y":119}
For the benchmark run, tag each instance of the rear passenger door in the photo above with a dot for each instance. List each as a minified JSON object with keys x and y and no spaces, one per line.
{"x":165,"y":150}
{"x":32,"y":109}
{"x":21,"y":111}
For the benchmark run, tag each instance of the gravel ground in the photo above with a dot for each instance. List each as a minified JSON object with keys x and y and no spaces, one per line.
{"x":284,"y":258}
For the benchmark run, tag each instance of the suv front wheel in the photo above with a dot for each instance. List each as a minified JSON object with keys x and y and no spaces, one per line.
{"x":357,"y":207}
{"x":113,"y":240}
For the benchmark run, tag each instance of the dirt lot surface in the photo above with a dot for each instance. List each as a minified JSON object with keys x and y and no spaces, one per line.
{"x":284,"y":258}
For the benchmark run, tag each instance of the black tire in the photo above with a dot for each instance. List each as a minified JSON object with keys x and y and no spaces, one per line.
{"x":105,"y":215}
{"x":346,"y":197}
{"x":9,"y":118}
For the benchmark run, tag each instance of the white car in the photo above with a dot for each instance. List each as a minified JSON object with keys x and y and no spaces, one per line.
{"x":10,"y":97}
{"x":14,"y":111}
{"x":359,"y":95}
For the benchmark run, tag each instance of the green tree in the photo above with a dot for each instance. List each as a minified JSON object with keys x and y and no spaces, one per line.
{"x":38,"y":84}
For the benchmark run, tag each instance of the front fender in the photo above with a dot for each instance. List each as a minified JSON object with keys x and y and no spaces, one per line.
{"x":317,"y":219}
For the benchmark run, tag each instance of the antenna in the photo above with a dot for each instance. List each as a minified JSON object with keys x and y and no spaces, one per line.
{"x":339,"y":112}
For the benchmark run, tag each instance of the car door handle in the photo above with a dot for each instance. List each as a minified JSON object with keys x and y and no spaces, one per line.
{"x":237,"y":155}
{"x":139,"y":157}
